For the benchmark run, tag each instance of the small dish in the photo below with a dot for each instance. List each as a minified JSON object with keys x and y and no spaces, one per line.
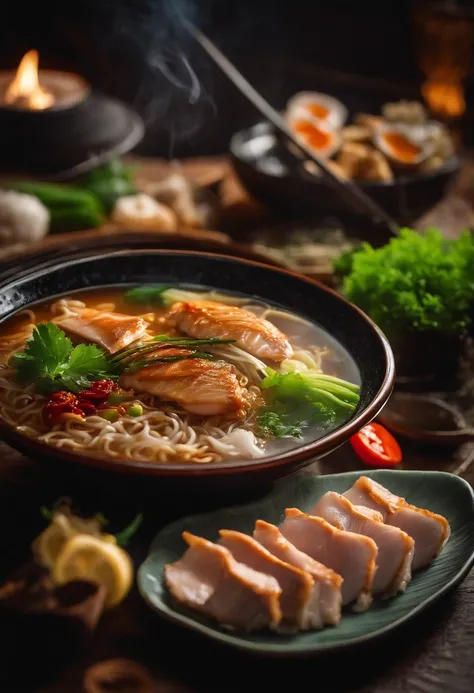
{"x":439,"y":492}
{"x":277,"y":179}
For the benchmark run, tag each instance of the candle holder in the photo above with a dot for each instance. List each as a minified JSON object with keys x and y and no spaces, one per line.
{"x":53,"y":126}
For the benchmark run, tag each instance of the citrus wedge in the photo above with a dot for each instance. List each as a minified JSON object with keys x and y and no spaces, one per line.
{"x":85,"y":557}
{"x":49,"y":544}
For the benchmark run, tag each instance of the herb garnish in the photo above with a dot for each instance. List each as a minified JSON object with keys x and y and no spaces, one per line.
{"x":50,"y":361}
{"x":151,"y":294}
{"x":304,"y":398}
{"x":416,"y":282}
{"x":272,"y":424}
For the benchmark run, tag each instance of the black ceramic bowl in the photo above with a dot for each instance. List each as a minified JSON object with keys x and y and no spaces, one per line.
{"x":275,"y":177}
{"x":346,"y":323}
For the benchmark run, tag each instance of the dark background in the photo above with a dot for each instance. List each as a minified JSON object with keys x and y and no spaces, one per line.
{"x":362,"y":51}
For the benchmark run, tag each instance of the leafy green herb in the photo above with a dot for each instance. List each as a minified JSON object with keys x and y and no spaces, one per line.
{"x":417,"y":282}
{"x":342,"y":265}
{"x":50,"y":361}
{"x":313,"y":387}
{"x":272,"y":424}
{"x":126,"y":534}
{"x":301,"y":399}
{"x":151,"y":294}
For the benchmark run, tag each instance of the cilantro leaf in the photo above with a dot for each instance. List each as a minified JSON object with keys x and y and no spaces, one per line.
{"x":274,"y":425}
{"x":46,"y":353}
{"x":86,"y":359}
{"x":52,"y":364}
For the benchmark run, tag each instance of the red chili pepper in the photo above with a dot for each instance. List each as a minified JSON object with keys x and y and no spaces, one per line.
{"x":87,"y":408}
{"x":61,"y":403}
{"x":85,"y":403}
{"x":99,"y":390}
{"x":376,"y":447}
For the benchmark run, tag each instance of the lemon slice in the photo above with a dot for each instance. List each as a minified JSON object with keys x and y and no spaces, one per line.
{"x":49,"y":544}
{"x":87,"y":557}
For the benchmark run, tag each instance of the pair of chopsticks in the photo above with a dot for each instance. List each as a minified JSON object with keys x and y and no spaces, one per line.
{"x":352,"y":195}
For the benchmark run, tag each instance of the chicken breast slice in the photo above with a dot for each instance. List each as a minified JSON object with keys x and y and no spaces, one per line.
{"x":394,"y":547}
{"x":429,"y":531}
{"x":255,"y":335}
{"x":111,"y":331}
{"x":208,"y":579}
{"x":296,"y":584}
{"x":326,"y":600}
{"x":351,"y":555}
{"x":207,"y":388}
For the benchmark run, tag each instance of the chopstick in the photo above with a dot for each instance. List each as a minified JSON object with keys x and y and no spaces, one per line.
{"x":353,"y":196}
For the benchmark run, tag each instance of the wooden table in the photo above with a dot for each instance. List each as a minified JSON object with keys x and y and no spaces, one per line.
{"x":433,"y":654}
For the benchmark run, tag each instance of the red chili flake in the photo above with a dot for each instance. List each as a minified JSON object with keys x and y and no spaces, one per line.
{"x":87,"y":408}
{"x":99,"y":390}
{"x":61,"y":403}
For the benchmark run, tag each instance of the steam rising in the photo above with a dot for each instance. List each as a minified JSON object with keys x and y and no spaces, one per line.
{"x":168,"y":92}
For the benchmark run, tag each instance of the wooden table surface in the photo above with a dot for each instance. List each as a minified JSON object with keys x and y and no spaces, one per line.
{"x":432,"y":654}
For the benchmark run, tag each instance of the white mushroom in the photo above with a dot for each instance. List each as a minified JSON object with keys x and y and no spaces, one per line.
{"x":143,"y":212}
{"x":23,"y":218}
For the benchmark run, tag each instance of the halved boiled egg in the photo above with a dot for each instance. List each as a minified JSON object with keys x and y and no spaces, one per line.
{"x":404,"y":146}
{"x":325,"y":109}
{"x":324,"y":141}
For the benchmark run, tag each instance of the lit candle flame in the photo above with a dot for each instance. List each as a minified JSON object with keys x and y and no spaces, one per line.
{"x":25,"y":86}
{"x":445,"y":99}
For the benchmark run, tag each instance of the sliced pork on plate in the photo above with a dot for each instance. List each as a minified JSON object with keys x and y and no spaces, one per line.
{"x":352,"y":556}
{"x":203,"y":319}
{"x":429,"y":531}
{"x":298,"y":604}
{"x":394,"y":547}
{"x":326,"y":583}
{"x":111,"y":331}
{"x":207,"y":578}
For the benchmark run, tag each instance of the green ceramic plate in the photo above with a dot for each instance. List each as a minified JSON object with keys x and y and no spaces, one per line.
{"x":437,"y":491}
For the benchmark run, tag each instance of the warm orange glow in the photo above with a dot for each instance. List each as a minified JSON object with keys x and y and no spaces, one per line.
{"x":445,"y":100}
{"x":316,"y":138}
{"x":318,"y":110}
{"x":25,"y":87}
{"x":404,"y":150}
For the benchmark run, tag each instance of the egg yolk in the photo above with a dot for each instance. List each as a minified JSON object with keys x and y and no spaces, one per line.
{"x":316,"y":138}
{"x":403,"y":149}
{"x":318,"y":110}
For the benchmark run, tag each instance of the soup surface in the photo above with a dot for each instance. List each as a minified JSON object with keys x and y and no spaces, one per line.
{"x":171,"y":375}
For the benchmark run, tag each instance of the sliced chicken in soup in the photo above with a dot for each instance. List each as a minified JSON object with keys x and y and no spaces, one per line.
{"x":255,"y":335}
{"x":351,"y":555}
{"x":207,"y":578}
{"x":429,"y":531}
{"x":326,"y":600}
{"x":197,"y":385}
{"x":395,"y":547}
{"x":111,"y":331}
{"x":297,"y":585}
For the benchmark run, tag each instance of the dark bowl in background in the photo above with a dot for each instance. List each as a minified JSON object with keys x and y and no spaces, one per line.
{"x":61,"y":143}
{"x":275,"y":177}
{"x":345,"y":322}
